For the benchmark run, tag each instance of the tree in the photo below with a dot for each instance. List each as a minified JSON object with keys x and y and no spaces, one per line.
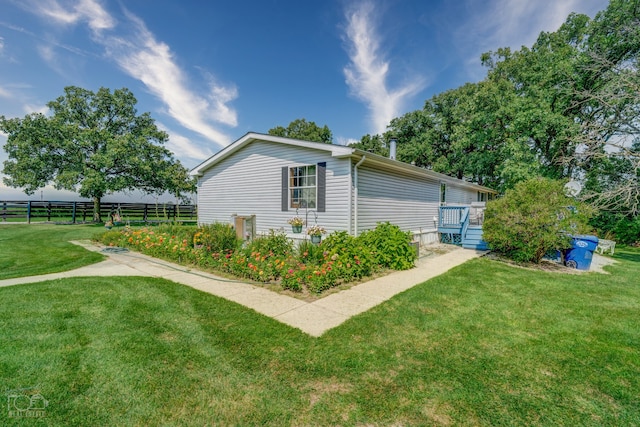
{"x":94,"y":144}
{"x":306,"y":131}
{"x":373,"y":144}
{"x":607,"y":98}
{"x":462,"y":132}
{"x":566,"y":107}
{"x":579,"y":102}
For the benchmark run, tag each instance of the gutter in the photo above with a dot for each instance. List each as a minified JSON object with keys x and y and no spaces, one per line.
{"x":355,"y":185}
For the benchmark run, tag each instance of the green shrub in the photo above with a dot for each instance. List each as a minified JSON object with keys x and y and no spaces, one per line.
{"x":217,"y":237}
{"x":617,"y":226}
{"x":274,"y":243}
{"x":174,"y":229}
{"x":390,"y":246}
{"x":627,"y":230}
{"x":293,"y":277}
{"x":533,"y":219}
{"x":310,"y":253}
{"x":112,"y":238}
{"x":347,"y":257}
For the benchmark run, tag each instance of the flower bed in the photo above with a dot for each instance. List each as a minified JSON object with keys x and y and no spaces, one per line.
{"x":272,"y":258}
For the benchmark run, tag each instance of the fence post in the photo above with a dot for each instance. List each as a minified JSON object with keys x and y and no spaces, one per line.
{"x":4,"y":211}
{"x":73,"y":214}
{"x":29,"y":212}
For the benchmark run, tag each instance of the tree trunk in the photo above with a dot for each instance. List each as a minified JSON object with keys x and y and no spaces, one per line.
{"x":96,"y":210}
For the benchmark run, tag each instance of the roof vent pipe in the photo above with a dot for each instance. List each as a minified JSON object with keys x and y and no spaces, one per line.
{"x":392,"y":148}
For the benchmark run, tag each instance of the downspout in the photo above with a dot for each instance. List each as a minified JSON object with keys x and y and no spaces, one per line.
{"x":355,"y":185}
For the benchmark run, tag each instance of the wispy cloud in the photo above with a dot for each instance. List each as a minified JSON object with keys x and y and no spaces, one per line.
{"x":152,"y":62}
{"x":181,"y":144}
{"x":137,"y":52}
{"x":367,"y":73}
{"x":513,"y":23}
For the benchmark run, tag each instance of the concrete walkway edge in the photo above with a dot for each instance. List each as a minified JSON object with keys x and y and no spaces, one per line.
{"x":313,"y":318}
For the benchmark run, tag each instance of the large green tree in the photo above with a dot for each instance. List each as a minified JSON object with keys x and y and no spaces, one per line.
{"x":94,"y":144}
{"x":304,"y":130}
{"x":566,"y":107}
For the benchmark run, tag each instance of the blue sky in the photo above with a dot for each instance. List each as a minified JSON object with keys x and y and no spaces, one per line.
{"x":210,"y":71}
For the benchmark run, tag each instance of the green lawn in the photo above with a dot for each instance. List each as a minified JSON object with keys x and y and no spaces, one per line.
{"x":484,"y":344}
{"x":30,"y":250}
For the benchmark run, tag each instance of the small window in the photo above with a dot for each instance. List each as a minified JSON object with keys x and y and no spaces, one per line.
{"x":482,"y":196}
{"x":302,"y":187}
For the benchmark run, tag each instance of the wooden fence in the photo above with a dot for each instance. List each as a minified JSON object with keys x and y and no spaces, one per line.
{"x":80,"y":212}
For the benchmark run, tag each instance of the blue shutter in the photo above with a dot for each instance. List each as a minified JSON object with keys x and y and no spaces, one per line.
{"x":285,"y":189}
{"x":322,"y":186}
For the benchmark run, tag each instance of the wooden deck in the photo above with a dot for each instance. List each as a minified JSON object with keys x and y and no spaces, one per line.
{"x":462,"y":225}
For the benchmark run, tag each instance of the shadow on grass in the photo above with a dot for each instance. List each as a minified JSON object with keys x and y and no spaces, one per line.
{"x":628,"y":254}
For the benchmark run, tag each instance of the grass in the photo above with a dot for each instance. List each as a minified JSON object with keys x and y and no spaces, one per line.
{"x":31,"y":250}
{"x":484,"y":344}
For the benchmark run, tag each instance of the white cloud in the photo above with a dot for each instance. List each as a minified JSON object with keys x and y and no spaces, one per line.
{"x":512,"y":23}
{"x":366,"y":75}
{"x":31,"y":108}
{"x":152,"y":62}
{"x":98,"y":18}
{"x":182,"y":146}
{"x":47,"y":53}
{"x":89,"y":11}
{"x":4,"y":93}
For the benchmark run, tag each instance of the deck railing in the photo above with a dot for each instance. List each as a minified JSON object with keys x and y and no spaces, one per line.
{"x":453,"y":216}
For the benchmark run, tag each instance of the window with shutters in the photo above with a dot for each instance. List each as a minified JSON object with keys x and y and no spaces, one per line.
{"x":303,"y":187}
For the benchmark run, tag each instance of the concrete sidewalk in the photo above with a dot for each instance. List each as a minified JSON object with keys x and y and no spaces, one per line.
{"x":313,"y":318}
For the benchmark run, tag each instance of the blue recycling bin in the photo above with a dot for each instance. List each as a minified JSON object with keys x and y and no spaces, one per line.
{"x":581,"y":252}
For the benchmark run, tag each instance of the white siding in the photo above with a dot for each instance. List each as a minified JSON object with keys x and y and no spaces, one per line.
{"x":460,"y":195}
{"x":407,"y":201}
{"x":249,"y":183}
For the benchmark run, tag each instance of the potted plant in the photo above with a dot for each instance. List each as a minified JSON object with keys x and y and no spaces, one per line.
{"x":296,"y":224}
{"x":316,"y":233}
{"x":108,"y":225}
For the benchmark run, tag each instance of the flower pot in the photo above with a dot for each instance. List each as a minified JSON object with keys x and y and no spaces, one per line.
{"x":316,"y":238}
{"x":296,"y":228}
{"x":108,"y":227}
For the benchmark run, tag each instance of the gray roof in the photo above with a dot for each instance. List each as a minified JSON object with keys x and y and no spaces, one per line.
{"x":338,"y":151}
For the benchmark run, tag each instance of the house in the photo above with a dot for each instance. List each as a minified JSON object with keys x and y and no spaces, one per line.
{"x":260,"y":181}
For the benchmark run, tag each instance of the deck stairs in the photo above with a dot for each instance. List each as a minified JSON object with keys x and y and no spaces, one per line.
{"x":461,"y":225}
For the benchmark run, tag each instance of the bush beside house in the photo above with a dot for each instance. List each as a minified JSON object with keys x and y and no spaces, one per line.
{"x":533,"y":219}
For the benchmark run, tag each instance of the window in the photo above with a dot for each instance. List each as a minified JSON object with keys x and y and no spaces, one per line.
{"x":443,"y":193}
{"x":482,"y":196}
{"x":302,"y":187}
